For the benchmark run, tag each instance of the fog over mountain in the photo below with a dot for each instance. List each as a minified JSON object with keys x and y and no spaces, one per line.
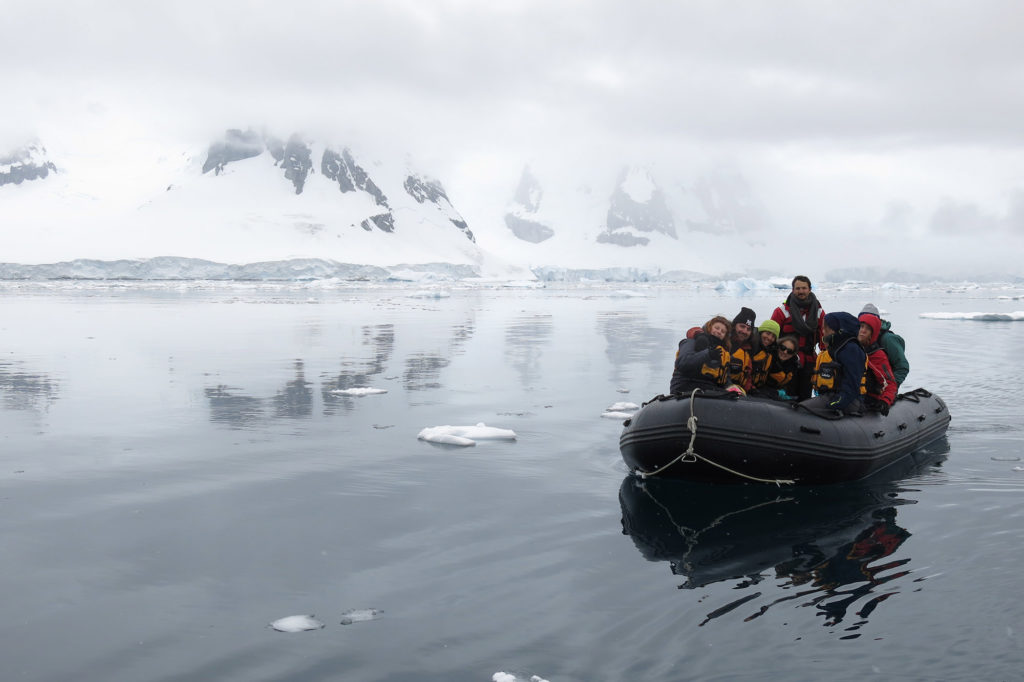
{"x":251,"y":198}
{"x":511,"y":137}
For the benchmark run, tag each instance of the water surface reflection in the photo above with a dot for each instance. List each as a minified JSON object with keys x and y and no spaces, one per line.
{"x":828,"y":547}
{"x":24,"y":390}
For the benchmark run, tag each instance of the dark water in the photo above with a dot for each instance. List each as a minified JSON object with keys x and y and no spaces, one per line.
{"x":176,"y":472}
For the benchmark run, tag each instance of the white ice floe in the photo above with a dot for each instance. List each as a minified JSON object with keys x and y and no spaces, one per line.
{"x":464,"y":435}
{"x":358,"y":392}
{"x":620,"y":410}
{"x":359,"y":615}
{"x":622,"y":390}
{"x":509,"y":677}
{"x":980,"y":317}
{"x":296,"y":623}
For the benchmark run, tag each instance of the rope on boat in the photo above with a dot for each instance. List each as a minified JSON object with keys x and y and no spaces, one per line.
{"x":690,"y":456}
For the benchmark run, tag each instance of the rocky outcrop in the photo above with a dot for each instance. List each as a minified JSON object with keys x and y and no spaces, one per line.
{"x":521,"y":217}
{"x":637,"y":207}
{"x":425,"y":191}
{"x":296,"y":161}
{"x":236,"y":146}
{"x":26,"y":164}
{"x":349,"y":175}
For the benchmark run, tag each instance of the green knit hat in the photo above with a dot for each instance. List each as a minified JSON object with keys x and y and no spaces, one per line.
{"x":770,"y":326}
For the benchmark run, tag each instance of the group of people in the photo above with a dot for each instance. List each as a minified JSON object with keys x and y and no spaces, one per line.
{"x":857,"y":362}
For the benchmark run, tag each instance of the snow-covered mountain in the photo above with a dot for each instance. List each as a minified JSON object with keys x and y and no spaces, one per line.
{"x":307,"y":207}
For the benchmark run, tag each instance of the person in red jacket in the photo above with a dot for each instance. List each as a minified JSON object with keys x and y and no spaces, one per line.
{"x":801,"y":315}
{"x":879,"y":379}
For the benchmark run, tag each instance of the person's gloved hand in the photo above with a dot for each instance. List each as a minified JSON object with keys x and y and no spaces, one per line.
{"x":716,"y":356}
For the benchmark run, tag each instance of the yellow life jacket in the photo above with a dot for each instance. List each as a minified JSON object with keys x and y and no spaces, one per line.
{"x":828,"y":372}
{"x":740,"y":368}
{"x":718,"y":374}
{"x":760,"y":368}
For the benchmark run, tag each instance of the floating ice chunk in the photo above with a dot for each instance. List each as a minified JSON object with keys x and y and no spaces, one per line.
{"x":296,"y":623}
{"x":432,"y":435}
{"x":743,"y":284}
{"x":509,"y":677}
{"x":622,"y":390}
{"x":620,"y":410}
{"x":358,"y":392}
{"x":465,"y":435}
{"x":978,"y":317}
{"x":359,"y":615}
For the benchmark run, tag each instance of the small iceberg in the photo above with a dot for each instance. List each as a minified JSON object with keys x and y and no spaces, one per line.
{"x":359,"y":615}
{"x":297,"y":623}
{"x":509,"y":677}
{"x":358,"y":392}
{"x":620,"y":410}
{"x":464,"y":435}
{"x":977,"y":317}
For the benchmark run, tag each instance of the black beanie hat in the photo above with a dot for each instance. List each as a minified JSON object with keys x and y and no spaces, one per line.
{"x":746,"y":316}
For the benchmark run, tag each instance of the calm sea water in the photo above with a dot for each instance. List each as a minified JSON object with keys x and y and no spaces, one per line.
{"x":177,"y":470}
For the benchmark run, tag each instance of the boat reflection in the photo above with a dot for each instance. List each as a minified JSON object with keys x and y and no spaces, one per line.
{"x":826,"y":546}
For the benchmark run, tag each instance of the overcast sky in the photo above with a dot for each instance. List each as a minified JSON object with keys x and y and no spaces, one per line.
{"x":918,"y":105}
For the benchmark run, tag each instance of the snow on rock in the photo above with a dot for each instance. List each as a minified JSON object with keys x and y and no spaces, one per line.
{"x":464,"y":435}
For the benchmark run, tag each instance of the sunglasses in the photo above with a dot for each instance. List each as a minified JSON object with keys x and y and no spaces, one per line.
{"x":786,"y":349}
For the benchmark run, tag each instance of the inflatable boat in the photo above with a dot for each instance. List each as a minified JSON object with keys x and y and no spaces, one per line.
{"x":719,"y":436}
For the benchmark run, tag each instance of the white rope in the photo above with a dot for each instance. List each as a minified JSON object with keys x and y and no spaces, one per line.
{"x":690,"y":456}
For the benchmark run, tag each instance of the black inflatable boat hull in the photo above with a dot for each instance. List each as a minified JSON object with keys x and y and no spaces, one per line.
{"x":776,"y":440}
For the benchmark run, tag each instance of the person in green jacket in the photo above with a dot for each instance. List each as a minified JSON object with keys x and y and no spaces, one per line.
{"x":893,"y":345}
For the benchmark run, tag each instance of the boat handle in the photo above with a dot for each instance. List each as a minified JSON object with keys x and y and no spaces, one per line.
{"x":920,"y":418}
{"x":879,"y":434}
{"x":903,"y":426}
{"x":808,"y":429}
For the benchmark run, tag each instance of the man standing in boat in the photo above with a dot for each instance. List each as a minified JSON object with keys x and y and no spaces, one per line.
{"x":803,"y":317}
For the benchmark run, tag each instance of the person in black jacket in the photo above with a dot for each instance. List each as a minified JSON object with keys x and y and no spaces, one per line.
{"x":702,"y":360}
{"x":840,"y":368}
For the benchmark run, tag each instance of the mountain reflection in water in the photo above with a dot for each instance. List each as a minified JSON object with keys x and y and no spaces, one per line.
{"x":827,"y":546}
